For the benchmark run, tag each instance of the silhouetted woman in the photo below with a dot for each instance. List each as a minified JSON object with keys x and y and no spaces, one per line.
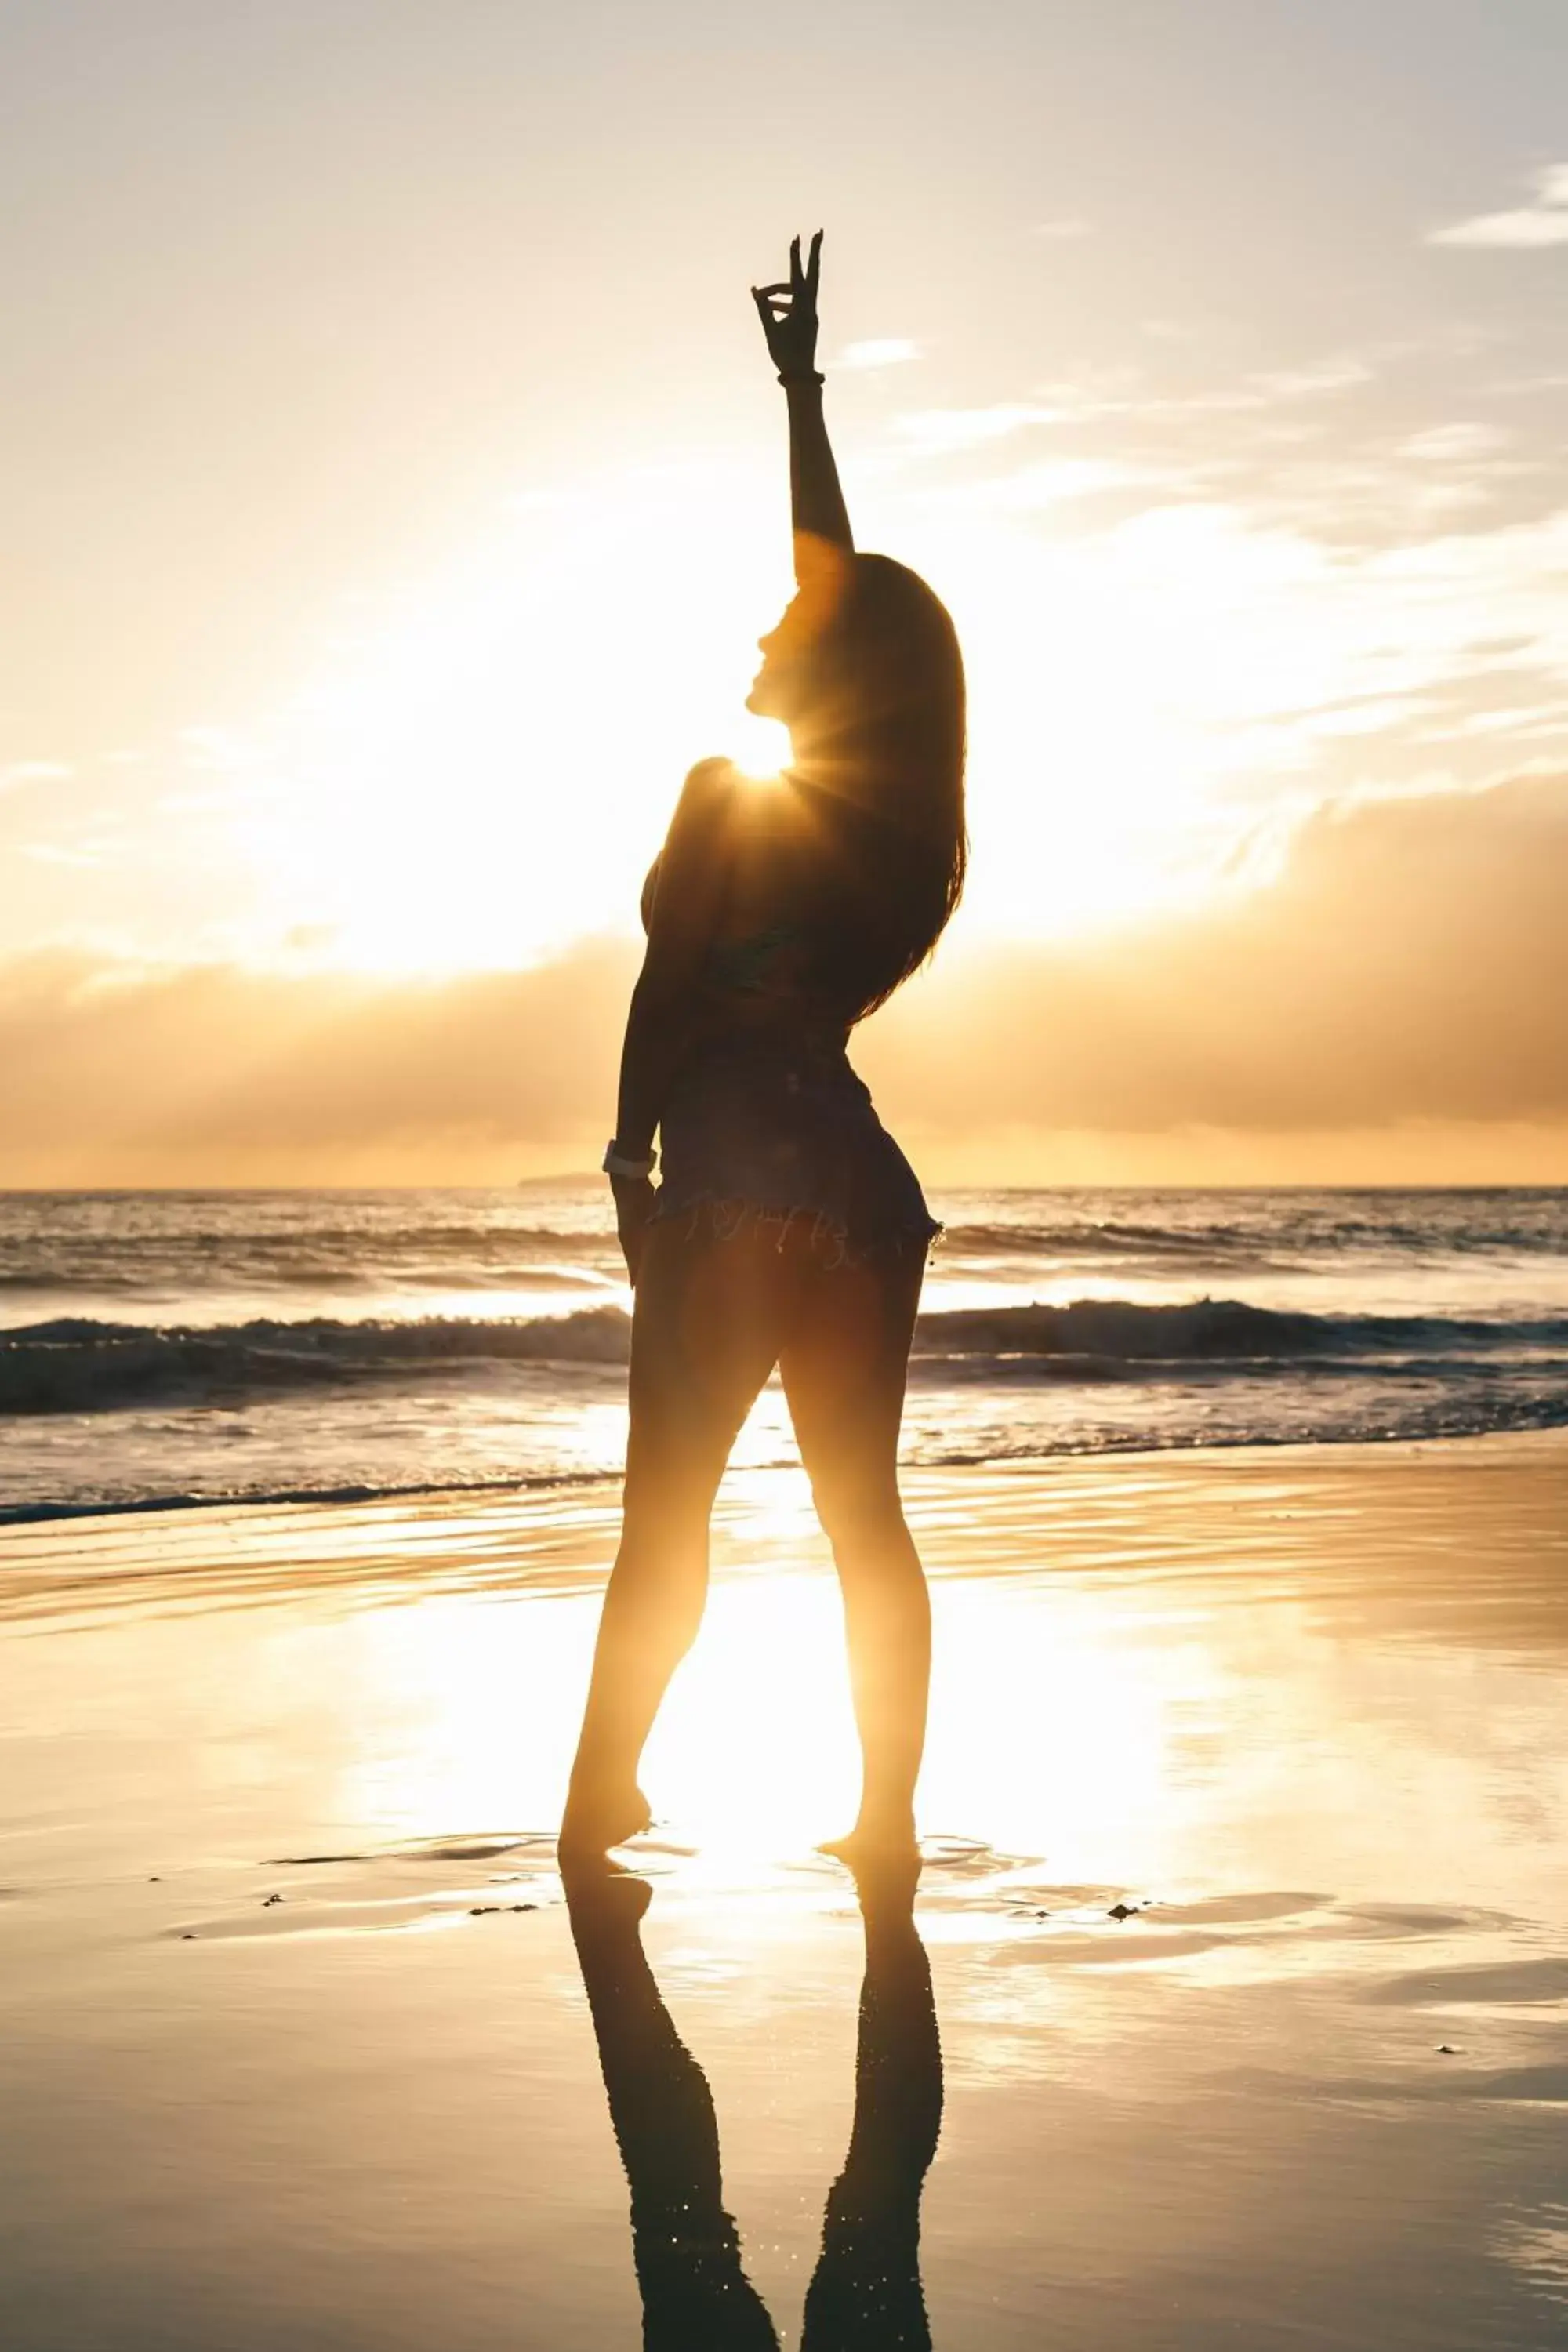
{"x":788,"y":1229}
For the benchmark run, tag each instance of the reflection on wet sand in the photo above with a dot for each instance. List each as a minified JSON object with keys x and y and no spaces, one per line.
{"x":866,"y":2294}
{"x":1243,"y":1899}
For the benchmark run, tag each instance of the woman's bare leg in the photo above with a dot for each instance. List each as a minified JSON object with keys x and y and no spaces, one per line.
{"x":845,"y":1363}
{"x":704,"y":1339}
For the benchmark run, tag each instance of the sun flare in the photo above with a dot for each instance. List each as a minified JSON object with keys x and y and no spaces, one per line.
{"x":482,"y":771}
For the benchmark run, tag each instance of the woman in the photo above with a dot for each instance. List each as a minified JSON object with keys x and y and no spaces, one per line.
{"x":789,"y":1230}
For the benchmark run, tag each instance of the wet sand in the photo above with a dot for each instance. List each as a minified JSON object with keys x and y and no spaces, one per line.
{"x":1235,"y":2002}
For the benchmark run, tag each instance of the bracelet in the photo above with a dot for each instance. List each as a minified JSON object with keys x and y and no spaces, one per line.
{"x":618,"y":1164}
{"x":812,"y":376}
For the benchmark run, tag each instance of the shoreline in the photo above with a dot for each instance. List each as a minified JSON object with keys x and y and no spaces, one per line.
{"x":560,"y":1534}
{"x":27,"y":1517}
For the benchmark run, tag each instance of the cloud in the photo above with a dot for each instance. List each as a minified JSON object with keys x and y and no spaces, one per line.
{"x":1408,"y":962}
{"x":1447,"y":445}
{"x":877,"y":352}
{"x":59,"y":853}
{"x":1342,"y":374}
{"x":33,"y":771}
{"x":937,"y":432}
{"x":1125,"y":395}
{"x":1054,"y":482}
{"x":241,"y":1075}
{"x":1528,"y":228}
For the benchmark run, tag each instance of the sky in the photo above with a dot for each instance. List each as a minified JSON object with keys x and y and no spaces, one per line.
{"x":393,"y":488}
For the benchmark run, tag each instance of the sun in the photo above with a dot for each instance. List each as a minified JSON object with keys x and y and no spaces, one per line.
{"x":485,"y":775}
{"x":760,"y":748}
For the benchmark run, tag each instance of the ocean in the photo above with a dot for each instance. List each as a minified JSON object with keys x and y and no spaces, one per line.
{"x":161,"y":1348}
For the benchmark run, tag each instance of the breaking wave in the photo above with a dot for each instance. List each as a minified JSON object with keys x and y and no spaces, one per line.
{"x":75,"y":1365}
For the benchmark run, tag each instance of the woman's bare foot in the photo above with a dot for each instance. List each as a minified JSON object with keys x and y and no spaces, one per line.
{"x":597,"y":1818}
{"x":876,"y":1839}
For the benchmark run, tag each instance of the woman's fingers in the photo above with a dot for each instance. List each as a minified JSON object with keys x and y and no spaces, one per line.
{"x":802,"y":278}
{"x":779,"y":302}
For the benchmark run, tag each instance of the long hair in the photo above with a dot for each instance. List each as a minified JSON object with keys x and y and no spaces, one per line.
{"x":890,"y":765}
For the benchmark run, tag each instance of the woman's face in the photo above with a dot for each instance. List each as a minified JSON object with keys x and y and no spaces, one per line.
{"x":788,"y":681}
{"x":785,"y":651}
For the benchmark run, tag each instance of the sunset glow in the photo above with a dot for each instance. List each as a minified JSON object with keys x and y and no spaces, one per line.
{"x":375,"y":657}
{"x":478,"y":772}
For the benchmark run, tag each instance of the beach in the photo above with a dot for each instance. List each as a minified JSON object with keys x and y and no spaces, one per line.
{"x":985,"y":695}
{"x":1246,"y":1810}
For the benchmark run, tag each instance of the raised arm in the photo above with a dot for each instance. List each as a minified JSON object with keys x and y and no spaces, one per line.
{"x":788,"y":313}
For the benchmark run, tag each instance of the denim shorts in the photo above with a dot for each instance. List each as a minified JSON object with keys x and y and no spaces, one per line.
{"x":756,"y":1128}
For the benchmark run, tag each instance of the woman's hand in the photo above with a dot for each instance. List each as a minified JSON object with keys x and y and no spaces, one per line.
{"x":788,"y":313}
{"x":635,"y":1197}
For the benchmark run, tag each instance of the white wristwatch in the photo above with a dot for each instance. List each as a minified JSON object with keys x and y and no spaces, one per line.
{"x":615,"y":1163}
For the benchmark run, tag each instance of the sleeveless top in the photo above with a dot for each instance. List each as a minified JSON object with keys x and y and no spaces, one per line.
{"x":764,"y":1117}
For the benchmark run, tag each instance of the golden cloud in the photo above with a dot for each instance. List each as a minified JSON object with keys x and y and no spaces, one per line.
{"x":1409,"y":963}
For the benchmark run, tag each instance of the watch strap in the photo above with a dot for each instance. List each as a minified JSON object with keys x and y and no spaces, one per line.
{"x":622,"y":1163}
